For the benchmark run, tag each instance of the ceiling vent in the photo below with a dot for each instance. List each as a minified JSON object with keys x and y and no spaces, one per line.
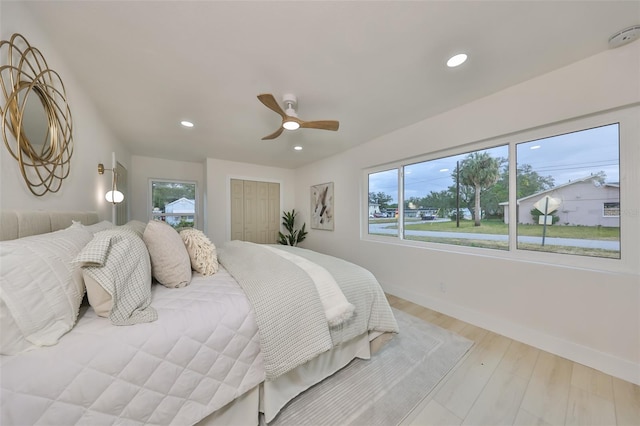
{"x":625,"y":36}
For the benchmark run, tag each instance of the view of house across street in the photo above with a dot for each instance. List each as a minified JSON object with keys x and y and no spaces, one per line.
{"x":174,"y":203}
{"x":567,"y":196}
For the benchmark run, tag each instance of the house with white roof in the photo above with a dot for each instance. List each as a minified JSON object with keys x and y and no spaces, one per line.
{"x":584,"y":202}
{"x":180,"y":206}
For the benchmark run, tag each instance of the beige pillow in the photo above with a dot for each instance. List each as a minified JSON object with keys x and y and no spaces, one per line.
{"x":170,"y":263}
{"x":99,"y":299}
{"x":202,"y":252}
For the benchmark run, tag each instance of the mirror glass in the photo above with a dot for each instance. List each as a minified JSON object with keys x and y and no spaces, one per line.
{"x":35,"y":124}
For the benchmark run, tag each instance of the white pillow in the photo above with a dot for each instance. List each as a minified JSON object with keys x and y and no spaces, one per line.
{"x":202,"y":252}
{"x":137,"y":226}
{"x":170,"y":263}
{"x":100,"y":226}
{"x":40,"y":287}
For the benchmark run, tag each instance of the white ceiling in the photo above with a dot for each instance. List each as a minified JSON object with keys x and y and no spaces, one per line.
{"x":374,"y":66}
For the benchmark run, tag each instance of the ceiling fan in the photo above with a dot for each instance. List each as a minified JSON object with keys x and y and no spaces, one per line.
{"x":290,"y":120}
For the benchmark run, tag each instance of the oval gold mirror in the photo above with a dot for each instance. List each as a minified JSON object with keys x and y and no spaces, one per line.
{"x":36,"y":120}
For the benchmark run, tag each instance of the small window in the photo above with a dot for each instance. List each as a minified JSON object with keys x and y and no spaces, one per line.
{"x":383,"y":203}
{"x":174,"y":202}
{"x":611,"y":209}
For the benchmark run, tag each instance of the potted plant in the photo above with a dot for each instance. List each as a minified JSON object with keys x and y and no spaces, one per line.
{"x":294,"y":236}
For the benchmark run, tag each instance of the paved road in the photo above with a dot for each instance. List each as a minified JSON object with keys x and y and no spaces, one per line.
{"x":385,"y":228}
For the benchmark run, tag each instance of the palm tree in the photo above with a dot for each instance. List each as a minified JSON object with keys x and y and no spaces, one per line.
{"x":480,"y":171}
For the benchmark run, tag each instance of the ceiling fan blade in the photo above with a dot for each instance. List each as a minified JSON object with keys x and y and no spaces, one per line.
{"x":274,"y":134}
{"x":320,"y":124}
{"x":270,"y":102}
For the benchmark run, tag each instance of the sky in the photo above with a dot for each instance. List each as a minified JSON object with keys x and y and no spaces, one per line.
{"x":564,"y":157}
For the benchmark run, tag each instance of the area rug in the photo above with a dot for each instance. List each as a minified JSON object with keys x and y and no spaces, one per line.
{"x":386,"y":388}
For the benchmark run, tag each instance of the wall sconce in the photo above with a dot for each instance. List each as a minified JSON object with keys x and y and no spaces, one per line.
{"x":114,"y":196}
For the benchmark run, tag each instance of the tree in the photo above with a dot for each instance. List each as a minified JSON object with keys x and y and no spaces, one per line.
{"x":381,"y":199}
{"x":600,"y":177}
{"x":479,"y":171}
{"x":528,"y":182}
{"x":444,"y":201}
{"x":168,"y":192}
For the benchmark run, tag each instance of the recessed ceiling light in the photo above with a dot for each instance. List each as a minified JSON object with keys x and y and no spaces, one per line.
{"x":456,"y":60}
{"x":297,"y":147}
{"x":535,"y":147}
{"x":186,"y":123}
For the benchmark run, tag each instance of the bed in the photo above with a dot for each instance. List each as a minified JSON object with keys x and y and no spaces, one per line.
{"x":220,"y":350}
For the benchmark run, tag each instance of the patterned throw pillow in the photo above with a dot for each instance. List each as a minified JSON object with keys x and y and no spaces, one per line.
{"x":202,"y":252}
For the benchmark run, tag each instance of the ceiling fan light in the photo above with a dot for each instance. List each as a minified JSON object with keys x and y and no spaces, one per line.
{"x":291,"y":125}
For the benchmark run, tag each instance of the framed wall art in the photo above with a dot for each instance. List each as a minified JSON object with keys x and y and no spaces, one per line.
{"x":322,"y":208}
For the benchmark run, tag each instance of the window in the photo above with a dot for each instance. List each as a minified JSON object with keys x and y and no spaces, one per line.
{"x":174,"y":202}
{"x":457,"y":199}
{"x":611,"y":209}
{"x":566,"y":196}
{"x":383,"y":203}
{"x":573,"y":176}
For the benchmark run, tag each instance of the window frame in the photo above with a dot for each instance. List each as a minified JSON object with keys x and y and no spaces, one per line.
{"x":181,"y":181}
{"x":629,"y":130}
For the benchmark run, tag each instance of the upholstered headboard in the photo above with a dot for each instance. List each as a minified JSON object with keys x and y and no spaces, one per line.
{"x":17,"y":224}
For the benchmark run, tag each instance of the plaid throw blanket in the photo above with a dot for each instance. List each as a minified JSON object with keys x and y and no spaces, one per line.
{"x":290,"y":316}
{"x":118,"y":260}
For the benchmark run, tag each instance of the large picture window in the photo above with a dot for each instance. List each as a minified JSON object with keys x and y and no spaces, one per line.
{"x":456,"y":199}
{"x":579,"y":173}
{"x":174,"y":202}
{"x":565,"y":189}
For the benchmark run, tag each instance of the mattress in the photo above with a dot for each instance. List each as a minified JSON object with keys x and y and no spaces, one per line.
{"x":201,"y":354}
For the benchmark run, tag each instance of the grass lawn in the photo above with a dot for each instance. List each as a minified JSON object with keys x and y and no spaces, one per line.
{"x":493,"y":226}
{"x":503,"y":245}
{"x":497,"y":227}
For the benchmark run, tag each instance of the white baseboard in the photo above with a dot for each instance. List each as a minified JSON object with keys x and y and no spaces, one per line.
{"x":607,"y":363}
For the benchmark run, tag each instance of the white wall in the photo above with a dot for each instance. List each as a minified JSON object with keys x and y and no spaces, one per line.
{"x":587,"y":315}
{"x":218,"y":205}
{"x":93,"y":143}
{"x":145,"y":168}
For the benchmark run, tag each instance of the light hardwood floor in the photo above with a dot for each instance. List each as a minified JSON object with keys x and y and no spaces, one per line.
{"x":504,"y":382}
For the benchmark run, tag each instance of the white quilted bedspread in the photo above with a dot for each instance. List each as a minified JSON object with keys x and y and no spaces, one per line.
{"x":201,"y":353}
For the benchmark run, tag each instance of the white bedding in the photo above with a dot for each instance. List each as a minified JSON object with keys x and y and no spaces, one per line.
{"x":201,"y":353}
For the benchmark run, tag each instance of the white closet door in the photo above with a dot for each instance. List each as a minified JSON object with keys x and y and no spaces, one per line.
{"x":255,"y":211}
